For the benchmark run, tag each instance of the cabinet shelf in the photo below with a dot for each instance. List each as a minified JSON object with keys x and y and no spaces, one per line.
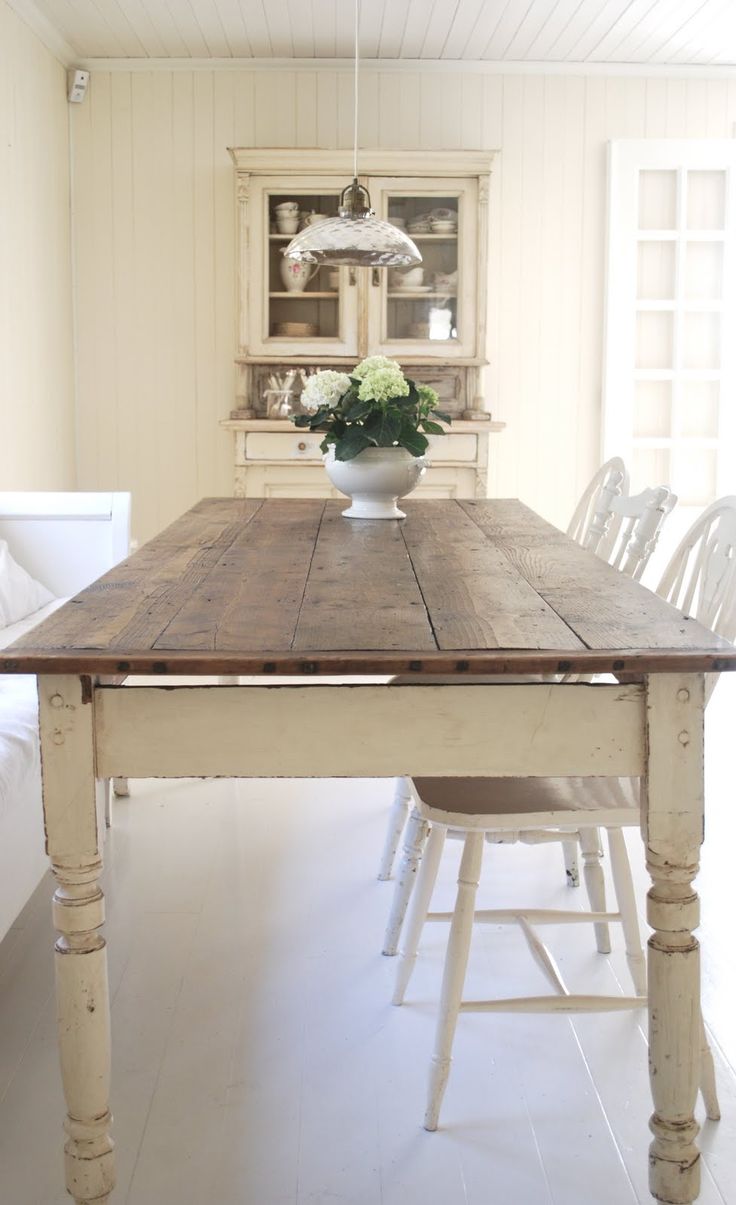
{"x":314,"y":295}
{"x":407,"y":296}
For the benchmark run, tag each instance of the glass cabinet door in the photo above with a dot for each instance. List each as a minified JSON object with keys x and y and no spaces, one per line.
{"x":429,"y":310}
{"x":298,"y":309}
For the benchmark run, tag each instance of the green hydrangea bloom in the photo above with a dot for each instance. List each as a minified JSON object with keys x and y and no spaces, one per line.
{"x":381,"y":385}
{"x":373,"y":362}
{"x":380,"y":379}
{"x":428,"y":394}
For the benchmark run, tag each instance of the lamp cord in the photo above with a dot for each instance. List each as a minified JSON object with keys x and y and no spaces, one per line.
{"x":355,"y":99}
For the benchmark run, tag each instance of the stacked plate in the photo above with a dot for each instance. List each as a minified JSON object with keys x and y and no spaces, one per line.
{"x":443,"y":221}
{"x":420,"y":224}
{"x":296,"y":330}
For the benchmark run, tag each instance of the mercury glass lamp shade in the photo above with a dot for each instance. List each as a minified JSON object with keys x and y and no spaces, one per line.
{"x":356,"y":237}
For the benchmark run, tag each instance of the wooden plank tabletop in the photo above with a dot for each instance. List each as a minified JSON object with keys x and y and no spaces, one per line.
{"x":291,"y":587}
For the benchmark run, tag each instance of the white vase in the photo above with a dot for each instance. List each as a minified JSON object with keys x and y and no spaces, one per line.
{"x":375,"y":479}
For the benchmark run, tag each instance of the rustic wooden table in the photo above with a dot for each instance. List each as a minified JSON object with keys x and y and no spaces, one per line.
{"x":238,"y":587}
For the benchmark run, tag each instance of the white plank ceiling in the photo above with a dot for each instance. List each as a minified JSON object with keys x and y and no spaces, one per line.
{"x":701,"y":32}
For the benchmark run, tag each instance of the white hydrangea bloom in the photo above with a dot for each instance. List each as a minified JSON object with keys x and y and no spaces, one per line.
{"x":324,"y":389}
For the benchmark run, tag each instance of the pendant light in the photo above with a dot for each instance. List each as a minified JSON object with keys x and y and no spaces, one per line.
{"x":357,"y":236}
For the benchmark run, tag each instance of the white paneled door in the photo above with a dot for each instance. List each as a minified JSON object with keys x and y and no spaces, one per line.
{"x":668,"y":375}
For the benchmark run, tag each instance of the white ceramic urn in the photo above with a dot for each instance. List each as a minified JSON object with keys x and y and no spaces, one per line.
{"x":375,"y":479}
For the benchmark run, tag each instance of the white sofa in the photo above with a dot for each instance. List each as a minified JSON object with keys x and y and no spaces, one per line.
{"x":65,"y":541}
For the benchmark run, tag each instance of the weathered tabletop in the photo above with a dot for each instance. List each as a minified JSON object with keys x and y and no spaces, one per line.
{"x":241,"y":586}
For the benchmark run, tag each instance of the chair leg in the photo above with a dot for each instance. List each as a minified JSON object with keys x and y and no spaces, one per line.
{"x":708,"y":1088}
{"x":626,"y":903}
{"x":414,"y":839}
{"x":396,"y":824}
{"x":107,"y":792}
{"x":572,"y":870}
{"x":456,"y":963}
{"x":590,"y":843}
{"x":418,"y":909}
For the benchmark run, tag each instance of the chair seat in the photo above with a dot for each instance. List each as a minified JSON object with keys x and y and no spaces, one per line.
{"x":502,"y":797}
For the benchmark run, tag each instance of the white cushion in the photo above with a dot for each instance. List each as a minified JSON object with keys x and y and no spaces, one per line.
{"x":20,"y":594}
{"x":19,"y":745}
{"x":14,"y":631}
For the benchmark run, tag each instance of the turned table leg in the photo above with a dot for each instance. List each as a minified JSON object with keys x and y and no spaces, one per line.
{"x":83,"y":1010}
{"x":673,"y":832}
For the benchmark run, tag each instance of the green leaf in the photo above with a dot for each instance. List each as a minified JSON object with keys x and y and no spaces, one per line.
{"x":353,"y":441}
{"x":302,"y":420}
{"x":413,"y":441}
{"x":432,"y":428}
{"x":357,"y":411}
{"x":383,"y":429}
{"x":446,"y":418}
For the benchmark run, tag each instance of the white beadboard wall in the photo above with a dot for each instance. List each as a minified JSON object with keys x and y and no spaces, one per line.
{"x":36,"y":343}
{"x":154,"y":237}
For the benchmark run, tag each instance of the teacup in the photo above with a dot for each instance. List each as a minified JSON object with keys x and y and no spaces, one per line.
{"x":288,"y":224}
{"x":312,"y":218}
{"x":411,"y":279}
{"x":286,"y":208}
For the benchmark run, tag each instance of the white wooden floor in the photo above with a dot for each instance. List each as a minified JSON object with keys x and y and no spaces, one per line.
{"x":257,"y":1060}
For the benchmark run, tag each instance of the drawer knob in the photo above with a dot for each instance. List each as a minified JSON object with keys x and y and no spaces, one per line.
{"x":302,"y":446}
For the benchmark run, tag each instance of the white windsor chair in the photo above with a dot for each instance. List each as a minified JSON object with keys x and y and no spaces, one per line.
{"x":627,"y":528}
{"x":612,"y":478}
{"x":701,"y":581}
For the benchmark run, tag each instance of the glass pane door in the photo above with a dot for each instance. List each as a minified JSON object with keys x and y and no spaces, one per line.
{"x":669,"y":360}
{"x":428,"y":309}
{"x":301,"y":309}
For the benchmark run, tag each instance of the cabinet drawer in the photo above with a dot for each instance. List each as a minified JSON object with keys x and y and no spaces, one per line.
{"x":286,"y":445}
{"x":463,"y":446}
{"x":304,"y":445}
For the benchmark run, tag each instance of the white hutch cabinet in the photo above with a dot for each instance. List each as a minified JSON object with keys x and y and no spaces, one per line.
{"x":433,"y":324}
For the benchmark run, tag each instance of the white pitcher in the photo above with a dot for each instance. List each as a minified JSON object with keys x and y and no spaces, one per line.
{"x":296,"y":276}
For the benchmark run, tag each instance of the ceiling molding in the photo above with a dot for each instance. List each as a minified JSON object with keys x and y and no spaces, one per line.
{"x":53,"y":41}
{"x":458,"y":66}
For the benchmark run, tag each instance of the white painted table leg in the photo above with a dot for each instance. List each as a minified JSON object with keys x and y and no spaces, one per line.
{"x":396,"y":824}
{"x":673,"y":831}
{"x":83,"y":1009}
{"x":415,"y":837}
{"x":418,"y":909}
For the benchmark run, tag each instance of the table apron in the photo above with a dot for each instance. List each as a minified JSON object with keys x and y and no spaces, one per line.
{"x":533,"y":729}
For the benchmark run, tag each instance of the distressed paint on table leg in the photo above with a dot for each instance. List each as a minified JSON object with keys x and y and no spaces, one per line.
{"x":415,"y":836}
{"x":673,"y":831}
{"x":396,"y":825}
{"x":83,"y":1008}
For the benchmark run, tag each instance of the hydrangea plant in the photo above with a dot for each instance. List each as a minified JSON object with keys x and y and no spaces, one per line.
{"x":375,"y":406}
